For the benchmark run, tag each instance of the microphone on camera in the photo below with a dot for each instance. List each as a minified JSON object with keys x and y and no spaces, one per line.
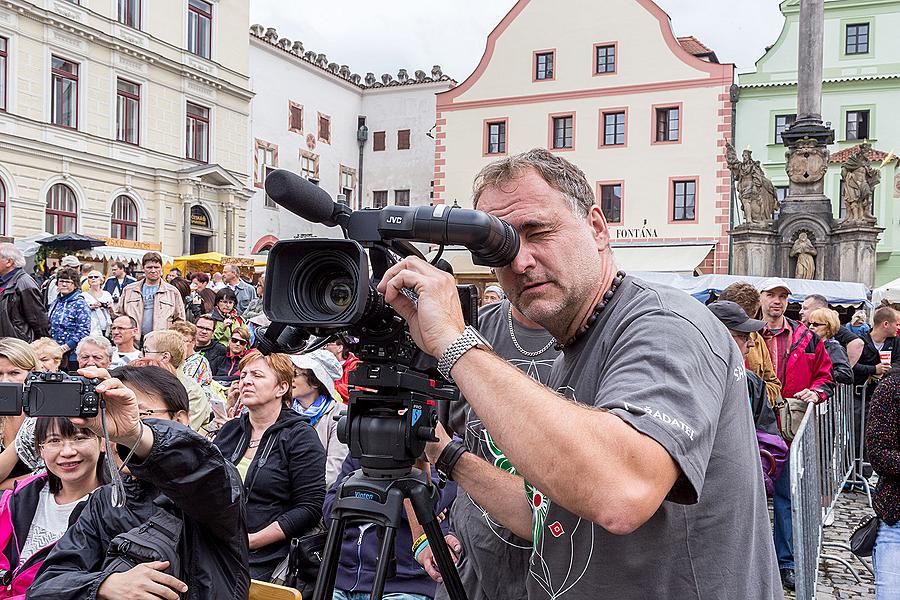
{"x":305,"y":199}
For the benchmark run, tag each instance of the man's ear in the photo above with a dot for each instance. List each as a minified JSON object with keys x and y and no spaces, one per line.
{"x":599,"y":228}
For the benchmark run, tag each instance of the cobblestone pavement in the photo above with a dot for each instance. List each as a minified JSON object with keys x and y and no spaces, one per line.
{"x":835,"y":582}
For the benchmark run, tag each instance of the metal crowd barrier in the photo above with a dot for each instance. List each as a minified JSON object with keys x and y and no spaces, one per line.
{"x":823,"y":459}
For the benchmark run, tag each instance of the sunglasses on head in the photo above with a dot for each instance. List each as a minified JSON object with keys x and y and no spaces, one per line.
{"x":235,"y":340}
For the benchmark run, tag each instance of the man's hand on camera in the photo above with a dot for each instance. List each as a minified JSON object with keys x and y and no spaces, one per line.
{"x":428,"y":562}
{"x":147,"y":581}
{"x":433,"y":449}
{"x":122,"y":414}
{"x":436,"y":320}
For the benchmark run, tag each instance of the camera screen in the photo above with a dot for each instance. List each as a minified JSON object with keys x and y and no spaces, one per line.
{"x":54,"y":399}
{"x":10,"y":399}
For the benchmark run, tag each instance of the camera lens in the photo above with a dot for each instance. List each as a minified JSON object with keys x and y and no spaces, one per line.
{"x":325,"y":285}
{"x":338,"y":295}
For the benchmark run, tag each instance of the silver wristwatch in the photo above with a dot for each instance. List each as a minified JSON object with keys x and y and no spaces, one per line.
{"x":470,"y":338}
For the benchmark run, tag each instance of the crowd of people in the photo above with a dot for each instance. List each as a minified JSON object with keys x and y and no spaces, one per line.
{"x":649,"y":429}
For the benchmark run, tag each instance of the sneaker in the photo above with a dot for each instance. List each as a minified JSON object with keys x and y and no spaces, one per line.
{"x":787,"y":579}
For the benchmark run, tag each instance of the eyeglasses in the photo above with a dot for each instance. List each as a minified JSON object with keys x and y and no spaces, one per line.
{"x":117,"y":328}
{"x":149,"y":412}
{"x":62,"y":281}
{"x":94,"y":277}
{"x":235,"y":340}
{"x":204,"y":328}
{"x":814,"y":324}
{"x":226,"y":301}
{"x":145,"y":352}
{"x":56,"y":444}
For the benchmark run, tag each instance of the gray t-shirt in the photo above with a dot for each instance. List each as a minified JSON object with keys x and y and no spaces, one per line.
{"x":496,"y":562}
{"x":149,"y":294}
{"x":660,"y":361}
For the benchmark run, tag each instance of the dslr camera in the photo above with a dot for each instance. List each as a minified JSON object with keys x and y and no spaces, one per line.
{"x":325,"y":287}
{"x":51,"y":395}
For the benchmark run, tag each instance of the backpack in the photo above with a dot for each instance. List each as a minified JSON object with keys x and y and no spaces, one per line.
{"x":773,"y":453}
{"x":158,"y":539}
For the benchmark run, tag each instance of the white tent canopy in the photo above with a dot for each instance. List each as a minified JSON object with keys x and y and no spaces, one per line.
{"x":889,"y":291}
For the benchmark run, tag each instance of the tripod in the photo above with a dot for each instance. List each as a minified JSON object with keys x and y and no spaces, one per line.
{"x":362,"y":499}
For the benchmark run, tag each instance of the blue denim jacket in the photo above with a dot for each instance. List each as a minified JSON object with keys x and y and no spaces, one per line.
{"x":70,"y":319}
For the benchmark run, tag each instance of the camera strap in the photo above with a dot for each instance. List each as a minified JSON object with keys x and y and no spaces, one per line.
{"x":115,"y":477}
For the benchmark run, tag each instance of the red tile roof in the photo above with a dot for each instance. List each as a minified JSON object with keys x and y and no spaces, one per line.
{"x":697,"y":48}
{"x":873,"y":155}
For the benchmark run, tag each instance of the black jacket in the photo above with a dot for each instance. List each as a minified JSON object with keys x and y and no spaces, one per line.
{"x":22,"y":312}
{"x":840,"y":363}
{"x":212,"y":351}
{"x":285,"y":481}
{"x":193,"y":475}
{"x":224,"y":365}
{"x":870,"y":357}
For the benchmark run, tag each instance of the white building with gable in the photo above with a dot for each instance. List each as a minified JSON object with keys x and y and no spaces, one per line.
{"x":306,"y":117}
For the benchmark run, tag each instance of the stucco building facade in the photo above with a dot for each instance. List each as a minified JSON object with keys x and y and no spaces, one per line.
{"x":643,"y":113}
{"x":860,"y":93}
{"x":307,"y":114}
{"x":127,"y":120}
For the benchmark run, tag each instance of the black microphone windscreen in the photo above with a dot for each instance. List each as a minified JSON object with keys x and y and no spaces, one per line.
{"x":301,"y":197}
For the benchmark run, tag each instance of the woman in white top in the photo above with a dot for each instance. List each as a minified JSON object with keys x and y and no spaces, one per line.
{"x":100,"y":302}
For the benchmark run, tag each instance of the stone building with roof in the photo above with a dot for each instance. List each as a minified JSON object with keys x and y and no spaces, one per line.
{"x":307,"y":116}
{"x":644,"y":114}
{"x":860,"y":92}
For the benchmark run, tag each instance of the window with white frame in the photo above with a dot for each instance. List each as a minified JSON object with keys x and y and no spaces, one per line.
{"x":309,"y":166}
{"x":124,"y":225}
{"x":197,"y":132}
{"x":62,"y":210}
{"x":64,"y":92}
{"x":4,"y":56}
{"x":130,"y":13}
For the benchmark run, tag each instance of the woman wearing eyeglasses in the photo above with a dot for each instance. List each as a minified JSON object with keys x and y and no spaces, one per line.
{"x":70,"y":316}
{"x":227,"y":366}
{"x":100,"y":302}
{"x":225,"y":315}
{"x":824,"y":322}
{"x":35,"y":514}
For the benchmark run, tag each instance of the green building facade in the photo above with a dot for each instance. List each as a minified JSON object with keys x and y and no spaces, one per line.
{"x":860,"y":99}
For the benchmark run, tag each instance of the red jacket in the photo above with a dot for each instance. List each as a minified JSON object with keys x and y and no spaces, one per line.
{"x":17,"y":507}
{"x":341,"y":385}
{"x":808,"y":364}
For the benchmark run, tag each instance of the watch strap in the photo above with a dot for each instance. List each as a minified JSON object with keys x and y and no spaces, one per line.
{"x":467,"y":340}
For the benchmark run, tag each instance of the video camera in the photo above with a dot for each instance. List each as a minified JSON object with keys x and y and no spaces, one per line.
{"x":324,"y":287}
{"x":51,"y":395}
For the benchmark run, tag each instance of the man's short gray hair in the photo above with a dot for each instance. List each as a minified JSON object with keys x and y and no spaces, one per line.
{"x":9,"y":251}
{"x":97,"y":340}
{"x":559,"y":174}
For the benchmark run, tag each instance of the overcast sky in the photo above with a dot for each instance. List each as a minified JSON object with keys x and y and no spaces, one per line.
{"x":383,"y":36}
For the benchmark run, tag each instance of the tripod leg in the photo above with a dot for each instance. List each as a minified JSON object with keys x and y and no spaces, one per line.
{"x":385,"y":554}
{"x":328,"y":571}
{"x":444,"y":560}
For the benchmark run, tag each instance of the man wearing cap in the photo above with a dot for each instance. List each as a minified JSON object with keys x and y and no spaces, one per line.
{"x":315,"y":398}
{"x":804,"y":369}
{"x":492,"y":294}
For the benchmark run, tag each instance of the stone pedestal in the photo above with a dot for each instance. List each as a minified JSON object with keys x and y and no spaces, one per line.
{"x":853,"y":253}
{"x":754,"y":248}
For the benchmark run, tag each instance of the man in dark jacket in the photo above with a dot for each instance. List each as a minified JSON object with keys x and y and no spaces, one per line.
{"x":360,"y":547}
{"x":118,"y":280}
{"x":172,"y":468}
{"x":208,"y":348}
{"x":22,"y":312}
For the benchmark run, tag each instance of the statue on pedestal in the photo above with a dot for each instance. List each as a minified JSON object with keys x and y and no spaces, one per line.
{"x":756,"y":192}
{"x":858,"y":181}
{"x":805,"y":252}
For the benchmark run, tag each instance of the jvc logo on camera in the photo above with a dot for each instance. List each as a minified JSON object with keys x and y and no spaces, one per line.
{"x":394,"y":220}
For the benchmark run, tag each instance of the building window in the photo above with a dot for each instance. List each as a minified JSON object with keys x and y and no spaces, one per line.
{"x":348,"y":184}
{"x":124,"y":219}
{"x":130,"y":13}
{"x":379,"y":199}
{"x":857,"y":39}
{"x":857,"y":125}
{"x":62,"y":210}
{"x":65,"y":92}
{"x":325,"y":128}
{"x":611,"y":202}
{"x":197,"y":132}
{"x":684,"y":205}
{"x":563,"y":132}
{"x":403,"y":139}
{"x":268,"y":202}
{"x":668,"y":124}
{"x":782,"y":122}
{"x":199,"y":27}
{"x":4,"y":49}
{"x":2,"y":209}
{"x":309,"y":166}
{"x":543,"y":65}
{"x":295,"y":117}
{"x":378,"y":144}
{"x":265,"y":159}
{"x":128,"y":111}
{"x":401,"y":197}
{"x":605,"y":59}
{"x":614,"y":128}
{"x":495,"y":137}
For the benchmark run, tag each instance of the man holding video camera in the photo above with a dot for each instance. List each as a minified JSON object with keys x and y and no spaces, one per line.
{"x":180,"y":485}
{"x":644,"y":481}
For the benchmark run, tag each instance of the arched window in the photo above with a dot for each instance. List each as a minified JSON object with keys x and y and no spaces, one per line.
{"x":62,"y":209}
{"x":2,"y":209}
{"x":124,"y":219}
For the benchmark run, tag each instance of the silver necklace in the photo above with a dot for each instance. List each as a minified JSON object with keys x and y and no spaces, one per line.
{"x":512,"y":334}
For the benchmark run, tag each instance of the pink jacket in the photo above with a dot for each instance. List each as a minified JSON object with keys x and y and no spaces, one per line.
{"x":17,"y":507}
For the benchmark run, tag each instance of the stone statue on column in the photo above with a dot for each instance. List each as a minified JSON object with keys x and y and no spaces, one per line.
{"x":805,"y":253}
{"x":756,"y":192}
{"x":858,"y":181}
